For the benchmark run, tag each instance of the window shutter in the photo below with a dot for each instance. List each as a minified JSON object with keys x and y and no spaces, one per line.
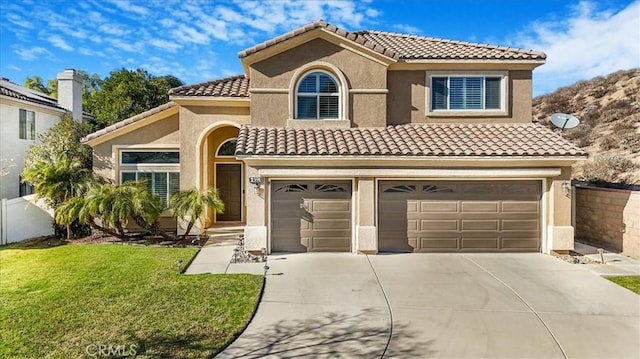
{"x":492,"y":93}
{"x":439,"y":93}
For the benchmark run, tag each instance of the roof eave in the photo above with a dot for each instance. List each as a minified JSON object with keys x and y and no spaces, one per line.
{"x":227,"y":101}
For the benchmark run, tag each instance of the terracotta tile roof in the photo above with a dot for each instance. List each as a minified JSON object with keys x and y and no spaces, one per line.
{"x":405,"y":47}
{"x":320,"y":24}
{"x":457,"y":140}
{"x":234,"y":86}
{"x":10,"y":89}
{"x":128,"y":121}
{"x":412,"y":47}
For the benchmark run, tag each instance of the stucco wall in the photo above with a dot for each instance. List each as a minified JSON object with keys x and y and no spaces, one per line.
{"x":276,"y":72}
{"x":609,"y":218}
{"x":408,"y":90}
{"x":12,"y":147}
{"x":196,"y":122}
{"x":157,"y":134}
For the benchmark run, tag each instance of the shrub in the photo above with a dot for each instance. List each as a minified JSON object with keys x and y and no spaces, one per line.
{"x":610,"y":143}
{"x":607,"y":168}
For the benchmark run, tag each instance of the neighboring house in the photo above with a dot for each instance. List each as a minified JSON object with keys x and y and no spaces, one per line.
{"x":24,"y":114}
{"x":361,"y":142}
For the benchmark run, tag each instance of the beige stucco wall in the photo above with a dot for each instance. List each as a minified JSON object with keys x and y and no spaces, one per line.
{"x":277,"y":72}
{"x":609,"y":218}
{"x":407,"y":99}
{"x":560,"y":232}
{"x":162,"y":132}
{"x":196,"y":122}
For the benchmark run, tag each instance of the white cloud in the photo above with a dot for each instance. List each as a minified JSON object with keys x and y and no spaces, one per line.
{"x":587,"y":43}
{"x":59,"y":42}
{"x":188,"y":34}
{"x":32,"y":53}
{"x":407,"y":29}
{"x":130,"y":7}
{"x":166,"y":45}
{"x":89,"y":52}
{"x":113,"y":29}
{"x":125,"y":45}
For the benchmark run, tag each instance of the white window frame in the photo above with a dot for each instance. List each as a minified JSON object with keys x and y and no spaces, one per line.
{"x":504,"y":93}
{"x":30,"y":126}
{"x":317,"y":96}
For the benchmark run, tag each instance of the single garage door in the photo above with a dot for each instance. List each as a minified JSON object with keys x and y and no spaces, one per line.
{"x":459,"y":216}
{"x":310,"y":216}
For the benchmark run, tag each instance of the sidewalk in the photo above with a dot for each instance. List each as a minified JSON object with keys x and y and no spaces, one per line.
{"x":215,"y":258}
{"x":615,"y":264}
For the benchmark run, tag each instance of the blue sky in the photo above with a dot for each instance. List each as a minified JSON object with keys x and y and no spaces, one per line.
{"x":199,"y":40}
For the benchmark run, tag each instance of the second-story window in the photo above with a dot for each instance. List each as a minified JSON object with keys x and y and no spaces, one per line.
{"x":27,"y":125}
{"x":466,"y":93}
{"x":317,"y":97}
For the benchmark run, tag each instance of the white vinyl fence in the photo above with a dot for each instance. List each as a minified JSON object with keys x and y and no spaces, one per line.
{"x":23,"y":218}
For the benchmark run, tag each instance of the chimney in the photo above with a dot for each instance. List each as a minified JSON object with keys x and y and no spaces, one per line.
{"x":70,"y":92}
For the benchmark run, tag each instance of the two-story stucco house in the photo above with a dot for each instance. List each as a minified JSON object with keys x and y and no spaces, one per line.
{"x":361,"y":142}
{"x":24,"y":114}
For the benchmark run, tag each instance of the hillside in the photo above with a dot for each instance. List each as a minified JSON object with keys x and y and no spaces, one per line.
{"x":609,"y":112}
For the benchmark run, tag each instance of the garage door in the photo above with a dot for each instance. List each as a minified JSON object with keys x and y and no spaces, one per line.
{"x":310,"y":216}
{"x":458,"y":216}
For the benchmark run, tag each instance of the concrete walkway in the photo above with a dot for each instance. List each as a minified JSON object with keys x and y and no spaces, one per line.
{"x":498,"y":305}
{"x":615,"y":264}
{"x":215,"y":258}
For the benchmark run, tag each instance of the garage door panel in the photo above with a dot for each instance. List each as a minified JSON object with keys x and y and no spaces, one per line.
{"x":470,"y":242}
{"x":488,"y":225}
{"x":510,"y":225}
{"x":519,"y":243}
{"x":310,"y":214}
{"x":521,"y":207}
{"x":434,"y":225}
{"x":438,"y":243}
{"x":460,"y":216}
{"x":438,"y":206}
{"x":483,"y":207}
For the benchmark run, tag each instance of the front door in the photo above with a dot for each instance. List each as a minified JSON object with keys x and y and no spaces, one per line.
{"x":229,"y":184}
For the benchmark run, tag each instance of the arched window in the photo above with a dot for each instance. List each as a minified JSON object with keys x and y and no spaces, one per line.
{"x":227,"y":148}
{"x":317,"y":97}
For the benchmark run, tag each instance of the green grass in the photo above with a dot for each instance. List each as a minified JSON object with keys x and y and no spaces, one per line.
{"x":630,"y":282}
{"x":57,"y":302}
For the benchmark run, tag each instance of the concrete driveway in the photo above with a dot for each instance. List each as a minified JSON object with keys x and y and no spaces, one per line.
{"x":438,"y":305}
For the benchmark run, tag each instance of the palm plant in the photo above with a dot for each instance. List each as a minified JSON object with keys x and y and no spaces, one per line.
{"x":191,"y":204}
{"x":58,"y":181}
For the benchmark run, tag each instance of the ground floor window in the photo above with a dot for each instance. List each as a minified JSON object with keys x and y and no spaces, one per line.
{"x":25,"y":188}
{"x":162,"y":184}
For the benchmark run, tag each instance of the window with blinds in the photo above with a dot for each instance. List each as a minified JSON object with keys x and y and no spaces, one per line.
{"x":317,"y":97}
{"x":466,"y":93}
{"x":162,"y":184}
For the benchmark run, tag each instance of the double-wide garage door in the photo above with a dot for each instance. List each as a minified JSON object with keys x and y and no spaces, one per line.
{"x":310,"y":216}
{"x":457,"y":216}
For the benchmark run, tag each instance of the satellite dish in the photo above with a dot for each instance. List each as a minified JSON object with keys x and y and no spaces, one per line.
{"x":563,"y":120}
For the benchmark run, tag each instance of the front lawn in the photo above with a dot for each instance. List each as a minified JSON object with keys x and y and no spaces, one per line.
{"x":631,"y":282}
{"x":74,"y":300}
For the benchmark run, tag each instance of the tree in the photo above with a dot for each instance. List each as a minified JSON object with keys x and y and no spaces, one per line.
{"x":191,"y":204}
{"x":109,"y":207}
{"x":125,"y":93}
{"x":61,"y":141}
{"x":35,"y":83}
{"x":58,"y":165}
